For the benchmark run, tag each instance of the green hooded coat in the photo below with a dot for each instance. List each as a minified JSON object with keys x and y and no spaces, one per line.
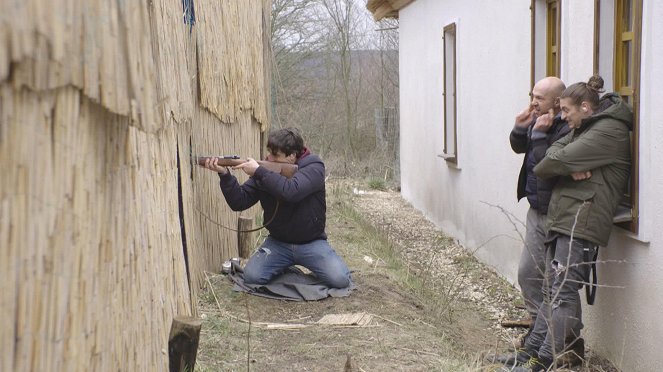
{"x":601,"y":145}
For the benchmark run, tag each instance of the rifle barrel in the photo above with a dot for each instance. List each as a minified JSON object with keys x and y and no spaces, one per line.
{"x":285,"y":169}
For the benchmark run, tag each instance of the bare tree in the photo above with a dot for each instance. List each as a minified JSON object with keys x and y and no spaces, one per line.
{"x":343,"y":21}
{"x":332,"y":72}
{"x":296,"y":35}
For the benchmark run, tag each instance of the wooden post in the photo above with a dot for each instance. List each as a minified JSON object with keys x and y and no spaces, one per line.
{"x":244,"y":239}
{"x":523,"y":323}
{"x":183,"y":343}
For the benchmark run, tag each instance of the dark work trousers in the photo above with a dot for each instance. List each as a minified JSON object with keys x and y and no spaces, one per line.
{"x":560,"y":316}
{"x":533,"y":262}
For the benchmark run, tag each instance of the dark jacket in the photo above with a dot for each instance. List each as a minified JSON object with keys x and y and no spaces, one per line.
{"x":300,"y":215}
{"x":534,"y":146}
{"x":601,"y":145}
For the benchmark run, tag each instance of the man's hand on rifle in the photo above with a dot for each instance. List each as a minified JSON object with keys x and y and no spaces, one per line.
{"x":249,"y":167}
{"x":212,"y":164}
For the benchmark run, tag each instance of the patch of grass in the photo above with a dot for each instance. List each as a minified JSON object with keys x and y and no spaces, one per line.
{"x":375,"y":241}
{"x":377,"y":184}
{"x":436,"y":298}
{"x":406,"y":336}
{"x":200,"y":368}
{"x":215,"y":331}
{"x":467,"y":262}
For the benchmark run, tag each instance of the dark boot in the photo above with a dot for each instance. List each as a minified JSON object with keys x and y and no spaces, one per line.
{"x":520,"y":356}
{"x":534,"y":365}
{"x":574,"y":354}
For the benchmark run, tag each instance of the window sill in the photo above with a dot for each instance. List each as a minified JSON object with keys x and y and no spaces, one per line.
{"x":450,"y":159}
{"x":622,"y":220}
{"x":622,"y":214}
{"x":639,"y":237}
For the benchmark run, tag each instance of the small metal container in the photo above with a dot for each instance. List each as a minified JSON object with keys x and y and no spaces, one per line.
{"x":225,"y":268}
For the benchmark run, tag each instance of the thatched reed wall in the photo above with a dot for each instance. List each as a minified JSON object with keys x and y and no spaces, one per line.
{"x":101,"y":105}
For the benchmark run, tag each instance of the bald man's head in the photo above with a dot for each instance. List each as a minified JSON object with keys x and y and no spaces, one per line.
{"x":552,"y":85}
{"x":545,"y":95}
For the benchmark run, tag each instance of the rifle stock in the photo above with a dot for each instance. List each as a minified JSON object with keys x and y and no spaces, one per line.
{"x":285,"y":169}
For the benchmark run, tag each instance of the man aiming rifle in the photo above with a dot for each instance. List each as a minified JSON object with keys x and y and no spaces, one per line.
{"x":295,"y":209}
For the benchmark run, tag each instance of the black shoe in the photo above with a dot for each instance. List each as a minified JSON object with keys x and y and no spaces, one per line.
{"x":534,"y":365}
{"x":519,"y":357}
{"x":573,"y":355}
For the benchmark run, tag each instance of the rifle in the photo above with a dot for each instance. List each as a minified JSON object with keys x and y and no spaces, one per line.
{"x":285,"y":169}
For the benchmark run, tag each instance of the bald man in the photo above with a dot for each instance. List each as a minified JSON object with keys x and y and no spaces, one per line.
{"x":537,"y":127}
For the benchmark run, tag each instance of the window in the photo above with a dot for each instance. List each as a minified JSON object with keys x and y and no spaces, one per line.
{"x":625,"y":48}
{"x":617,"y":37}
{"x":450,"y":142}
{"x":552,"y":37}
{"x":545,"y":43}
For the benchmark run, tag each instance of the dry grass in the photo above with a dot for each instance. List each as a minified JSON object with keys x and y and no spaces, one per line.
{"x":436,"y":307}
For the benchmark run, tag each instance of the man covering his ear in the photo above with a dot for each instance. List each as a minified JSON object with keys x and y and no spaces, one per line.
{"x":536,"y":128}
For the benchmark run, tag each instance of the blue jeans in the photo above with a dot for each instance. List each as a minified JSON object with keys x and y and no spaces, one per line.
{"x":274,"y":256}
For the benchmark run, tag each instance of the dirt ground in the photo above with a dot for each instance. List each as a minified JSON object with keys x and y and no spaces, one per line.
{"x":431,"y":305}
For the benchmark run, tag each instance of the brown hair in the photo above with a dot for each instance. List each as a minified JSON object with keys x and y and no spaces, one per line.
{"x":287,"y":140}
{"x":585,"y":92}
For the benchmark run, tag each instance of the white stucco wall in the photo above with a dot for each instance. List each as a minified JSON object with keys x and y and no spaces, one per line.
{"x":493,"y":76}
{"x":493,"y":80}
{"x":577,"y":47}
{"x":625,"y":324}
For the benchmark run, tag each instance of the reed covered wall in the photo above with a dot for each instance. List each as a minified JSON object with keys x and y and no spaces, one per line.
{"x":106,"y":228}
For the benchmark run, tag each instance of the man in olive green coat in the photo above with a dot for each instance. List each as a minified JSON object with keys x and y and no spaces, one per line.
{"x":601,"y":149}
{"x":593,"y":162}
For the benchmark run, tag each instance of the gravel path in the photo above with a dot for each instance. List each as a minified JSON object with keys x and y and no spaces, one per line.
{"x":433,"y":254}
{"x":430,"y":252}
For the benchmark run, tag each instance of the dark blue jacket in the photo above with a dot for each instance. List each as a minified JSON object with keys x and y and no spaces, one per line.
{"x":534,"y":146}
{"x":300,"y":215}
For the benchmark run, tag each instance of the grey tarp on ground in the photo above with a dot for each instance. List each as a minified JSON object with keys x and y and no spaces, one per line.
{"x":292,"y":285}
